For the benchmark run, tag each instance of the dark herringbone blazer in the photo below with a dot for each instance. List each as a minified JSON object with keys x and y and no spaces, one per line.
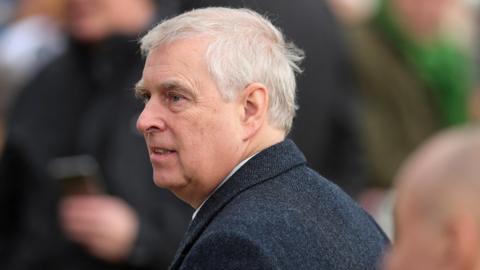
{"x":276,"y":213}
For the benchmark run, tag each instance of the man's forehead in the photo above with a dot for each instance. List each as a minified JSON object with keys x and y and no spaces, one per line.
{"x":192,"y":45}
{"x":184,"y":56}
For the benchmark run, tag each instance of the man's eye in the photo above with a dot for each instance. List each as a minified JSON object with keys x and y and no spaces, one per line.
{"x":145,"y":97}
{"x":174,"y":97}
{"x":142,"y":95}
{"x":176,"y":102}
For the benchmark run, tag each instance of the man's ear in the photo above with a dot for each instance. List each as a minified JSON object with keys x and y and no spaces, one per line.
{"x":254,"y":106}
{"x":462,"y":234}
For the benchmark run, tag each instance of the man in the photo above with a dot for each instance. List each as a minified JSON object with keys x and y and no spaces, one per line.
{"x":436,"y":215}
{"x":219,"y":92}
{"x":80,"y":104}
{"x":326,"y":126}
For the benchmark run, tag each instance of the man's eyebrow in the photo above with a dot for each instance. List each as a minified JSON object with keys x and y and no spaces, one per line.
{"x":170,"y":85}
{"x":139,"y":88}
{"x":176,"y":85}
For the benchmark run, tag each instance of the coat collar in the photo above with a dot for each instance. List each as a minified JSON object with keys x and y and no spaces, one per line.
{"x":264,"y":166}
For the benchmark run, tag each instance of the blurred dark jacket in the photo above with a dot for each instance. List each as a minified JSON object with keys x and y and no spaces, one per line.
{"x":82,"y":103}
{"x":399,"y":110}
{"x":326,"y":127}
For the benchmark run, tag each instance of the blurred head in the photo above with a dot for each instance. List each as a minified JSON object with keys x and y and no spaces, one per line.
{"x":94,"y":20}
{"x":219,"y":86}
{"x":422,"y":17}
{"x":437,"y":222}
{"x":54,"y":9}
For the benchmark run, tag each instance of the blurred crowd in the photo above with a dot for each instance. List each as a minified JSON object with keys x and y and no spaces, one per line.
{"x":416,"y":75}
{"x":381,"y":77}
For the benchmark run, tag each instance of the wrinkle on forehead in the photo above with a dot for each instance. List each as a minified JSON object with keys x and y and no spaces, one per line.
{"x":197,"y":46}
{"x":186,"y":56}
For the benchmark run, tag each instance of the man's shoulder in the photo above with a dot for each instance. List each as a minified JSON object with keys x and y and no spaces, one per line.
{"x":303,"y":211}
{"x":298,"y":198}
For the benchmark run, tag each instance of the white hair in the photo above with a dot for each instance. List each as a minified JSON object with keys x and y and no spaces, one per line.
{"x":246,"y":48}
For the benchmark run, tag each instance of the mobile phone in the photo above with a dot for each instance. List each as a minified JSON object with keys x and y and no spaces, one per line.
{"x":76,"y":175}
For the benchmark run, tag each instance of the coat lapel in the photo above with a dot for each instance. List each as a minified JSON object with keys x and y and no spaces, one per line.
{"x":262,"y":167}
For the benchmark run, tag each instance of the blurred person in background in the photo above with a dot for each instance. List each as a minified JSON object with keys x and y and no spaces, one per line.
{"x":31,"y":35}
{"x":351,"y":12}
{"x":436,"y":212}
{"x":6,"y":12}
{"x":415,"y":77}
{"x":475,"y":105}
{"x":82,"y":104}
{"x":326,"y":124}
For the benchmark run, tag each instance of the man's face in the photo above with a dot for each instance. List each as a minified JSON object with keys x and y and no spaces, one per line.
{"x":418,"y":242}
{"x":193,"y":135}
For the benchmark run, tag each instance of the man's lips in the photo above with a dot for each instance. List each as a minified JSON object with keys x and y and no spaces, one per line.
{"x":160,"y":150}
{"x":159,"y":154}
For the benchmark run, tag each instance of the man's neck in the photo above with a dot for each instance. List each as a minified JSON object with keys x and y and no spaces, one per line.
{"x":239,"y":165}
{"x":263,"y":139}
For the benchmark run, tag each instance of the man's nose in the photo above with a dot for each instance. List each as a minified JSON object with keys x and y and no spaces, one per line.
{"x":150,"y":119}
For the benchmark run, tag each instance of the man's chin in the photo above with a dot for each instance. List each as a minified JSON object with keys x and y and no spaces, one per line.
{"x":168,"y":182}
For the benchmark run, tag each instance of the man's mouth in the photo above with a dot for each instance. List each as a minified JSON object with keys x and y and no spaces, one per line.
{"x":160,"y":154}
{"x":161,"y":151}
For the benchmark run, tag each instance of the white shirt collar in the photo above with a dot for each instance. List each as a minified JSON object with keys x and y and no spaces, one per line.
{"x":223,"y":182}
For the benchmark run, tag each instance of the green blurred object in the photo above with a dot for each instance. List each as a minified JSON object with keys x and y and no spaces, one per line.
{"x":441,"y":65}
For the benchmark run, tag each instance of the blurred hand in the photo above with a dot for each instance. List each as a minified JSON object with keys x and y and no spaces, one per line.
{"x":106,"y":226}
